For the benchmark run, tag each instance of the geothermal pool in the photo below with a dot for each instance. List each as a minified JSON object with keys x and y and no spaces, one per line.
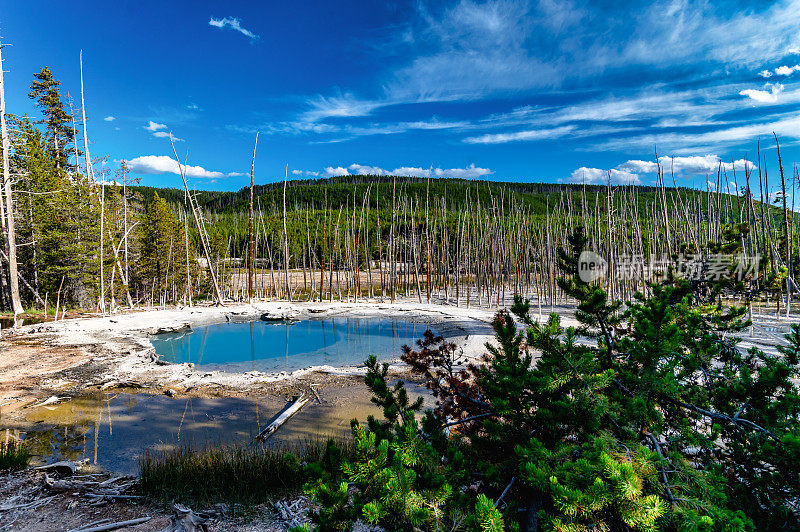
{"x":288,"y":345}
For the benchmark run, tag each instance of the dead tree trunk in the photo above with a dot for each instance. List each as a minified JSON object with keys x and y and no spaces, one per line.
{"x":201,"y":233}
{"x":286,"y":239}
{"x":11,"y":244}
{"x":252,"y":242}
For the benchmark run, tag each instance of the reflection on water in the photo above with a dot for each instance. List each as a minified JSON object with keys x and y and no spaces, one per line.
{"x":288,"y":345}
{"x":113,"y":430}
{"x":6,"y":322}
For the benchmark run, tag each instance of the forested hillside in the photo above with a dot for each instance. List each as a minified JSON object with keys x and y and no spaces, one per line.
{"x":89,"y":236}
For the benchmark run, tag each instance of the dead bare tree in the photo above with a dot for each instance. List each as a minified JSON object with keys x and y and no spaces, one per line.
{"x":250,"y":264}
{"x":201,"y":233}
{"x":11,"y":245}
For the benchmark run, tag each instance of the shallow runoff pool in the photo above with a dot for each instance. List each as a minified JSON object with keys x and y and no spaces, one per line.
{"x":288,"y":345}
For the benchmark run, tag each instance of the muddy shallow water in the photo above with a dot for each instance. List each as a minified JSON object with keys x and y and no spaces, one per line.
{"x":112,"y":430}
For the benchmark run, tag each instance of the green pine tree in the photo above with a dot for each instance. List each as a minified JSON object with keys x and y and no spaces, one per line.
{"x":60,"y":134}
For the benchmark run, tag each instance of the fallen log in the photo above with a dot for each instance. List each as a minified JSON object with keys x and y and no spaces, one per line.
{"x":64,"y":468}
{"x":62,"y":485}
{"x":283,"y":416}
{"x":28,"y":505}
{"x":114,"y":526}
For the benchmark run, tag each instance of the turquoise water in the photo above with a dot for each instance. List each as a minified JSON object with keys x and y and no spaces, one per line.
{"x":290,"y":345}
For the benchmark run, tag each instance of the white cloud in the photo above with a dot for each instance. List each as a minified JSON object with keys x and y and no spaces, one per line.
{"x":110,"y":118}
{"x":166,"y":135}
{"x":766,"y":96}
{"x":154,"y":126}
{"x":765,"y":74}
{"x":163,"y":164}
{"x":695,"y":164}
{"x":234,"y":23}
{"x":469,"y":172}
{"x":193,"y":107}
{"x":598,"y":176}
{"x":358,"y":169}
{"x":793,"y":50}
{"x":305,"y":173}
{"x":531,"y":134}
{"x":159,"y":131}
{"x":338,"y":171}
{"x":629,"y":172}
{"x":786,"y":70}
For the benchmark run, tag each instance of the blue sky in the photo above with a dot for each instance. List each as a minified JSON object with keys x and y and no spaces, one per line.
{"x":548,"y":90}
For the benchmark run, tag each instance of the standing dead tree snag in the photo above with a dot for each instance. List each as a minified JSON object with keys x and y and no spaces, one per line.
{"x":286,"y":238}
{"x":250,"y":264}
{"x":200,"y":232}
{"x":90,"y":175}
{"x":11,"y":245}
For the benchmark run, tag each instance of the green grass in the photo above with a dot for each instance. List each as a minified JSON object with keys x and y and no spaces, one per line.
{"x":244,"y":475}
{"x":13,"y":456}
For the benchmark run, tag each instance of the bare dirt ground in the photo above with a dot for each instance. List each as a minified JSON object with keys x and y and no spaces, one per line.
{"x":29,"y":369}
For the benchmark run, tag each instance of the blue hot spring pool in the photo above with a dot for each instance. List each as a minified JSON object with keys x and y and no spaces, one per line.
{"x":290,"y":345}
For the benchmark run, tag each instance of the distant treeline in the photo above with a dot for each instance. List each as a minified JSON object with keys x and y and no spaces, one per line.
{"x":335,"y":192}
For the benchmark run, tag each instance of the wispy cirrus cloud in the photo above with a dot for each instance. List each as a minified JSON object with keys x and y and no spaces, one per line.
{"x":565,"y":59}
{"x":531,"y":134}
{"x":339,"y":106}
{"x":471,"y":50}
{"x":234,"y":24}
{"x":163,"y":164}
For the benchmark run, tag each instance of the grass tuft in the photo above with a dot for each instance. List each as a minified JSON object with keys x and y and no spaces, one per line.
{"x":13,"y":456}
{"x":244,"y":475}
